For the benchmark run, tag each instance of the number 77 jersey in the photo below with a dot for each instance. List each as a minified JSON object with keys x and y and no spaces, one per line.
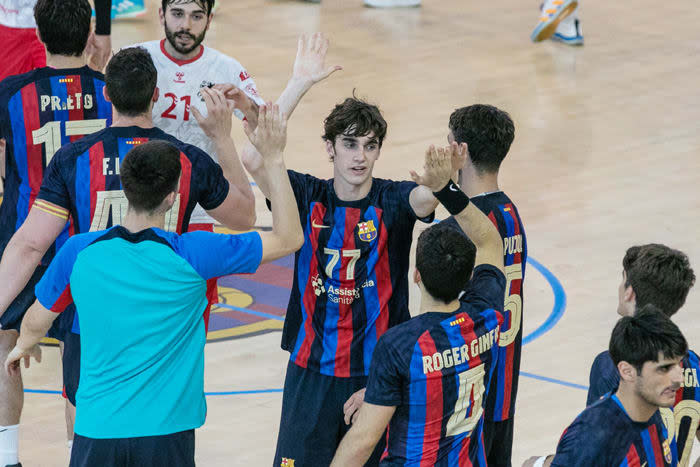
{"x":40,"y":111}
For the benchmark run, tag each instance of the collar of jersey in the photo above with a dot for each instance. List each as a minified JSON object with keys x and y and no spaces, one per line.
{"x":177,"y":60}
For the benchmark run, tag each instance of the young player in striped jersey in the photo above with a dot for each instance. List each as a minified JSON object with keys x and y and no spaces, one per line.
{"x":489,"y":133}
{"x":350,"y":280}
{"x":39,"y":112}
{"x":626,"y":428}
{"x":659,"y":275}
{"x":83,"y":181}
{"x":429,"y":376}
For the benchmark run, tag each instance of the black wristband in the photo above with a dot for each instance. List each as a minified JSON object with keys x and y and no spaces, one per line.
{"x":454,"y":199}
{"x":103,"y":21}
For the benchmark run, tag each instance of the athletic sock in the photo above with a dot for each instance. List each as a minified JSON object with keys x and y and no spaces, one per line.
{"x":9,"y":445}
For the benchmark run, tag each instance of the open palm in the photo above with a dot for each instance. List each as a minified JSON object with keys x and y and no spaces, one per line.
{"x":310,"y":63}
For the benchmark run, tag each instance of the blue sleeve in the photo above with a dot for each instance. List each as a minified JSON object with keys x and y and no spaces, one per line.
{"x":604,"y":378}
{"x":53,"y":290}
{"x":404,"y":190}
{"x":53,"y":186}
{"x":211,"y":185}
{"x":384,"y":382}
{"x":215,"y":255}
{"x":576,"y":447}
{"x":487,"y":286}
{"x":306,"y":188}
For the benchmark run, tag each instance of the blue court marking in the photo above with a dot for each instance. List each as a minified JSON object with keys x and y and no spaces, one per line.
{"x":555,"y":381}
{"x":553,"y":318}
{"x":251,"y":312}
{"x":559,"y":302}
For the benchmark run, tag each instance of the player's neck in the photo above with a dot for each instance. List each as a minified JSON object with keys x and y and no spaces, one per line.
{"x":638,"y":409}
{"x":474,"y":183}
{"x":180,"y":56}
{"x":64,"y":61}
{"x":143,"y":120}
{"x":430,"y":304}
{"x":347,"y":192}
{"x":138,"y":221}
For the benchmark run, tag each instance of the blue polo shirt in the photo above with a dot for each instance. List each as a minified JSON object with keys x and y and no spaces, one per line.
{"x":140,"y":297}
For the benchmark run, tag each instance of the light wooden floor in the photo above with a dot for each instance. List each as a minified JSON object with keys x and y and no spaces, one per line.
{"x":606,"y":155}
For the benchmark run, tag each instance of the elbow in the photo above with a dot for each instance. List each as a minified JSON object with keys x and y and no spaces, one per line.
{"x":295,"y":241}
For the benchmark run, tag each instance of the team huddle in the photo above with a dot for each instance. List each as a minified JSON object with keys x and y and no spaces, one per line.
{"x":113,"y":184}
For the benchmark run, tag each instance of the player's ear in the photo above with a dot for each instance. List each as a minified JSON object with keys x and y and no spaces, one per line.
{"x":330,"y":149}
{"x":629,"y":295}
{"x":161,"y":16}
{"x":416,"y":276}
{"x":105,"y":94}
{"x":628,"y":372}
{"x":156,"y":94}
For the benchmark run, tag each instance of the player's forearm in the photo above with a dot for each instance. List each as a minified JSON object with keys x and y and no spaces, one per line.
{"x":480,"y":231}
{"x":253,"y":163}
{"x":423,"y":202}
{"x":354,"y":450}
{"x":292,"y":94}
{"x":235,"y":174}
{"x":103,"y":22}
{"x":285,"y":215}
{"x":18,"y":263}
{"x":34,"y":326}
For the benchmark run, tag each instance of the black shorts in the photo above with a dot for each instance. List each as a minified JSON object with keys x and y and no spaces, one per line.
{"x":312,"y":418}
{"x":71,"y":365}
{"x":12,"y":318}
{"x":498,"y":438}
{"x":175,"y":450}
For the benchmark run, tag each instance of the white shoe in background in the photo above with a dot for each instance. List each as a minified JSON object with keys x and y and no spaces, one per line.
{"x":391,"y":3}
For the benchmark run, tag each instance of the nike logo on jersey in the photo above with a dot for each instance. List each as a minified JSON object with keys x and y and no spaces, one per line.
{"x":319,"y":226}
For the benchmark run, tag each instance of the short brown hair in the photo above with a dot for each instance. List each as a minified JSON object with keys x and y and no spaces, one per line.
{"x":659,"y":276}
{"x":149,"y":173}
{"x":354,"y":117}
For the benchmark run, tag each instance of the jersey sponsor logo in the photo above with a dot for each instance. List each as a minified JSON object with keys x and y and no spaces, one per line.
{"x":179,"y":77}
{"x":458,"y":355}
{"x":244,"y":75}
{"x":250,"y":89}
{"x":690,"y":378}
{"x":286,"y":462}
{"x":317,"y":284}
{"x":74,"y":101}
{"x":366,"y":231}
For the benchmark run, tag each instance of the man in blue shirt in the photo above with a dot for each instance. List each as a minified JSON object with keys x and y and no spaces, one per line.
{"x":141,"y":393}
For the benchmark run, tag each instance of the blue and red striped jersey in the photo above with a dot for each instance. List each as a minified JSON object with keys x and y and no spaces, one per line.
{"x":350,"y":276}
{"x":83,"y":180}
{"x":685,"y":421}
{"x":40,"y":111}
{"x":604,"y":435}
{"x":686,"y":411}
{"x":436,"y":370}
{"x":504,"y":215}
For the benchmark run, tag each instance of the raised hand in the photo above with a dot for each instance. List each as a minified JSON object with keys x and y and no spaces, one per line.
{"x":270,"y":136}
{"x":437,"y":168}
{"x":98,"y":51}
{"x":241,"y":101}
{"x":309,"y":65}
{"x":217,"y":124}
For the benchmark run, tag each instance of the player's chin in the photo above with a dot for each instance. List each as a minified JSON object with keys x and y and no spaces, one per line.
{"x":667,"y":398}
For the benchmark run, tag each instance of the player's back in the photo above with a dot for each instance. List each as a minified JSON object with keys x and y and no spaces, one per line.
{"x":503,"y":213}
{"x":436,"y":368}
{"x":84,"y":180}
{"x":41,"y":111}
{"x":603,"y":435}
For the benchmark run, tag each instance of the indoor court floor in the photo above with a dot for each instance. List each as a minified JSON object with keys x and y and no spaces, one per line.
{"x":606,"y":156}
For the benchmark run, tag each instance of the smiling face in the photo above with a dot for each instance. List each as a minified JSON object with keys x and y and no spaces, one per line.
{"x":185,"y":23}
{"x":658,"y":382}
{"x":353,"y":161}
